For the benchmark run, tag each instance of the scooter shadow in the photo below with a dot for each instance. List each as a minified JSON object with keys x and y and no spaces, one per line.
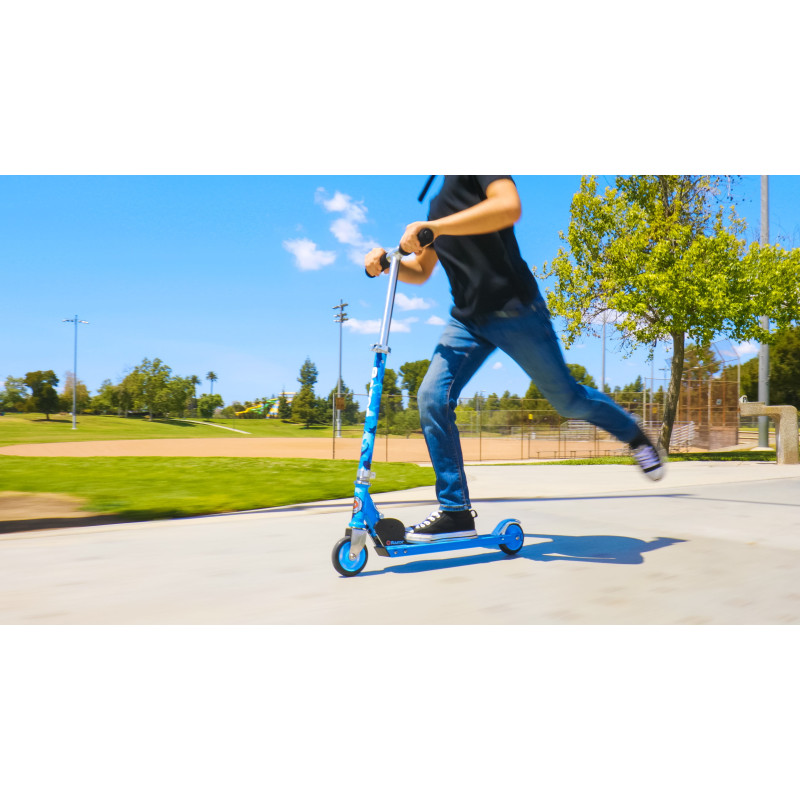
{"x":588,"y":549}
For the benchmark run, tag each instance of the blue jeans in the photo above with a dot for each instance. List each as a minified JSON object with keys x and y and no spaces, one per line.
{"x":526,"y":334}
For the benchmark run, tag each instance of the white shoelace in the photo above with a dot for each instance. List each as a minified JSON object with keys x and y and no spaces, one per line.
{"x":429,"y":520}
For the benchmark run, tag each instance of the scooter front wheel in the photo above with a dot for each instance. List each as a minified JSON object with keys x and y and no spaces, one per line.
{"x":515,"y":542}
{"x":343,"y":563}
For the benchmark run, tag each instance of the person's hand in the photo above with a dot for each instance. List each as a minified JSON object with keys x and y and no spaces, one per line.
{"x":409,"y":241}
{"x":372,"y":261}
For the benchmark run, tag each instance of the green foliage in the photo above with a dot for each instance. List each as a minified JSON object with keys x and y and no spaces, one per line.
{"x":44,"y":397}
{"x":36,"y":380}
{"x":578,"y":371}
{"x":784,"y":370}
{"x":103,"y":401}
{"x":306,"y":407}
{"x":308,"y":374}
{"x":659,"y":251}
{"x":14,"y":394}
{"x":207,"y":404}
{"x":147,"y":386}
{"x":351,"y":411}
{"x":412,"y":373}
{"x":82,"y":397}
{"x":700,"y":362}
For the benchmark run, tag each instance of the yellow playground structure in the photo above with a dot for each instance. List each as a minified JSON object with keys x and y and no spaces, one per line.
{"x":269,"y":408}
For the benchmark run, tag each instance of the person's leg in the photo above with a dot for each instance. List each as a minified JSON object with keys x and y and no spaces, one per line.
{"x":531,"y":341}
{"x":457,"y":357}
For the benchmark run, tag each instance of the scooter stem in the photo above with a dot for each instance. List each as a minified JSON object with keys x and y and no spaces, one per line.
{"x":394,"y":268}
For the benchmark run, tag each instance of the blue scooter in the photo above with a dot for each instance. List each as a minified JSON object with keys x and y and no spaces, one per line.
{"x":388,"y":535}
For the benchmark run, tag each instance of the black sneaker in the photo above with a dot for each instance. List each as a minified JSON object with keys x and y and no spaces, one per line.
{"x":444,"y":525}
{"x":650,"y":457}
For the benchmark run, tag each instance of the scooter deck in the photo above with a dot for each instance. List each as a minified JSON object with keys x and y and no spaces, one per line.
{"x":498,"y":536}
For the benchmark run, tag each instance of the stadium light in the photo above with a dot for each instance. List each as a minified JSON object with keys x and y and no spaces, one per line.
{"x":75,"y":321}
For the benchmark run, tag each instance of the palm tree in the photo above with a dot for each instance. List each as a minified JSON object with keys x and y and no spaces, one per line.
{"x":212,"y":376}
{"x":195,"y":381}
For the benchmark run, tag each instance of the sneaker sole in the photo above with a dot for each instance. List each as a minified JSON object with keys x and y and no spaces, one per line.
{"x":657,"y":473}
{"x":438,"y":537}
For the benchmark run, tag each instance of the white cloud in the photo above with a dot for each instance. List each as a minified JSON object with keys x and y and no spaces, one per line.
{"x":341,"y":204}
{"x":411,"y":303}
{"x":306,"y":255}
{"x":346,"y":231}
{"x":434,"y":320}
{"x":374,"y":325}
{"x":363,"y":325}
{"x":346,"y":228}
{"x":497,"y":365}
{"x":747,"y":348}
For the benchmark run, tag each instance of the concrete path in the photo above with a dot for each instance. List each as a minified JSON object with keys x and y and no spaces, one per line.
{"x":710,"y":544}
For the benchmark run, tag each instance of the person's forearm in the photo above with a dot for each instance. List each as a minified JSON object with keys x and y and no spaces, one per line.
{"x":411,"y":272}
{"x":488,"y":216}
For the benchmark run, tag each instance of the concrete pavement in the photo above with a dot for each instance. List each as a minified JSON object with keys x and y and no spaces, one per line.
{"x":714,"y":543}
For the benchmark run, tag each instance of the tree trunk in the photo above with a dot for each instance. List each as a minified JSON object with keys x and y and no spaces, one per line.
{"x":674,"y":390}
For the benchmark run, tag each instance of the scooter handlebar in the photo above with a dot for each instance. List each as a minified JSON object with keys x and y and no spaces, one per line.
{"x":425,"y":237}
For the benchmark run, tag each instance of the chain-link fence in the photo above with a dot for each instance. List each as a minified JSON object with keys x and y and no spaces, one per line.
{"x":521,"y":428}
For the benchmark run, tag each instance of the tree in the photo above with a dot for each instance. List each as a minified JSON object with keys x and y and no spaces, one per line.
{"x":784,"y":370}
{"x":578,"y":371}
{"x":211,"y":376}
{"x":191,"y":406}
{"x":412,"y":373}
{"x":104,"y":400}
{"x":350,"y":407}
{"x":14,"y":394}
{"x":207,"y":404}
{"x":147,"y":385}
{"x":308,"y":374}
{"x":657,"y":250}
{"x":391,"y":399}
{"x":284,"y":408}
{"x":44,"y":397}
{"x":180,"y":392}
{"x":82,"y":398}
{"x":306,"y":408}
{"x":700,"y":362}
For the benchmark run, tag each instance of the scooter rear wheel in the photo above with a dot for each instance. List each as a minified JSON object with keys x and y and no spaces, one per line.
{"x":517,"y":539}
{"x":343,"y":563}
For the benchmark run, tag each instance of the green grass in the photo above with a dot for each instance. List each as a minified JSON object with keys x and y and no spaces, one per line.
{"x":34,"y":428}
{"x":733,"y":455}
{"x":152,"y":488}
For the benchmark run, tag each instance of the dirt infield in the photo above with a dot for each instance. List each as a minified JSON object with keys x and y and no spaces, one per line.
{"x":403,"y":450}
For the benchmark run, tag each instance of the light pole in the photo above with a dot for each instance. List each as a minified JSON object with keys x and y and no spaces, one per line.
{"x":75,"y":321}
{"x":763,"y":355}
{"x":341,"y":318}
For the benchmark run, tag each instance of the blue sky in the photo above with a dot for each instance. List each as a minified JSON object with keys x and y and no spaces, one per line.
{"x":240,"y":274}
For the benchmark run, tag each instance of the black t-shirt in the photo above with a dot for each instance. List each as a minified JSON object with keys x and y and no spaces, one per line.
{"x":487,"y":272}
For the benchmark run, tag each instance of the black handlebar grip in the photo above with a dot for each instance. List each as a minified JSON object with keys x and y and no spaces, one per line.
{"x":384,"y":264}
{"x":425,"y":237}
